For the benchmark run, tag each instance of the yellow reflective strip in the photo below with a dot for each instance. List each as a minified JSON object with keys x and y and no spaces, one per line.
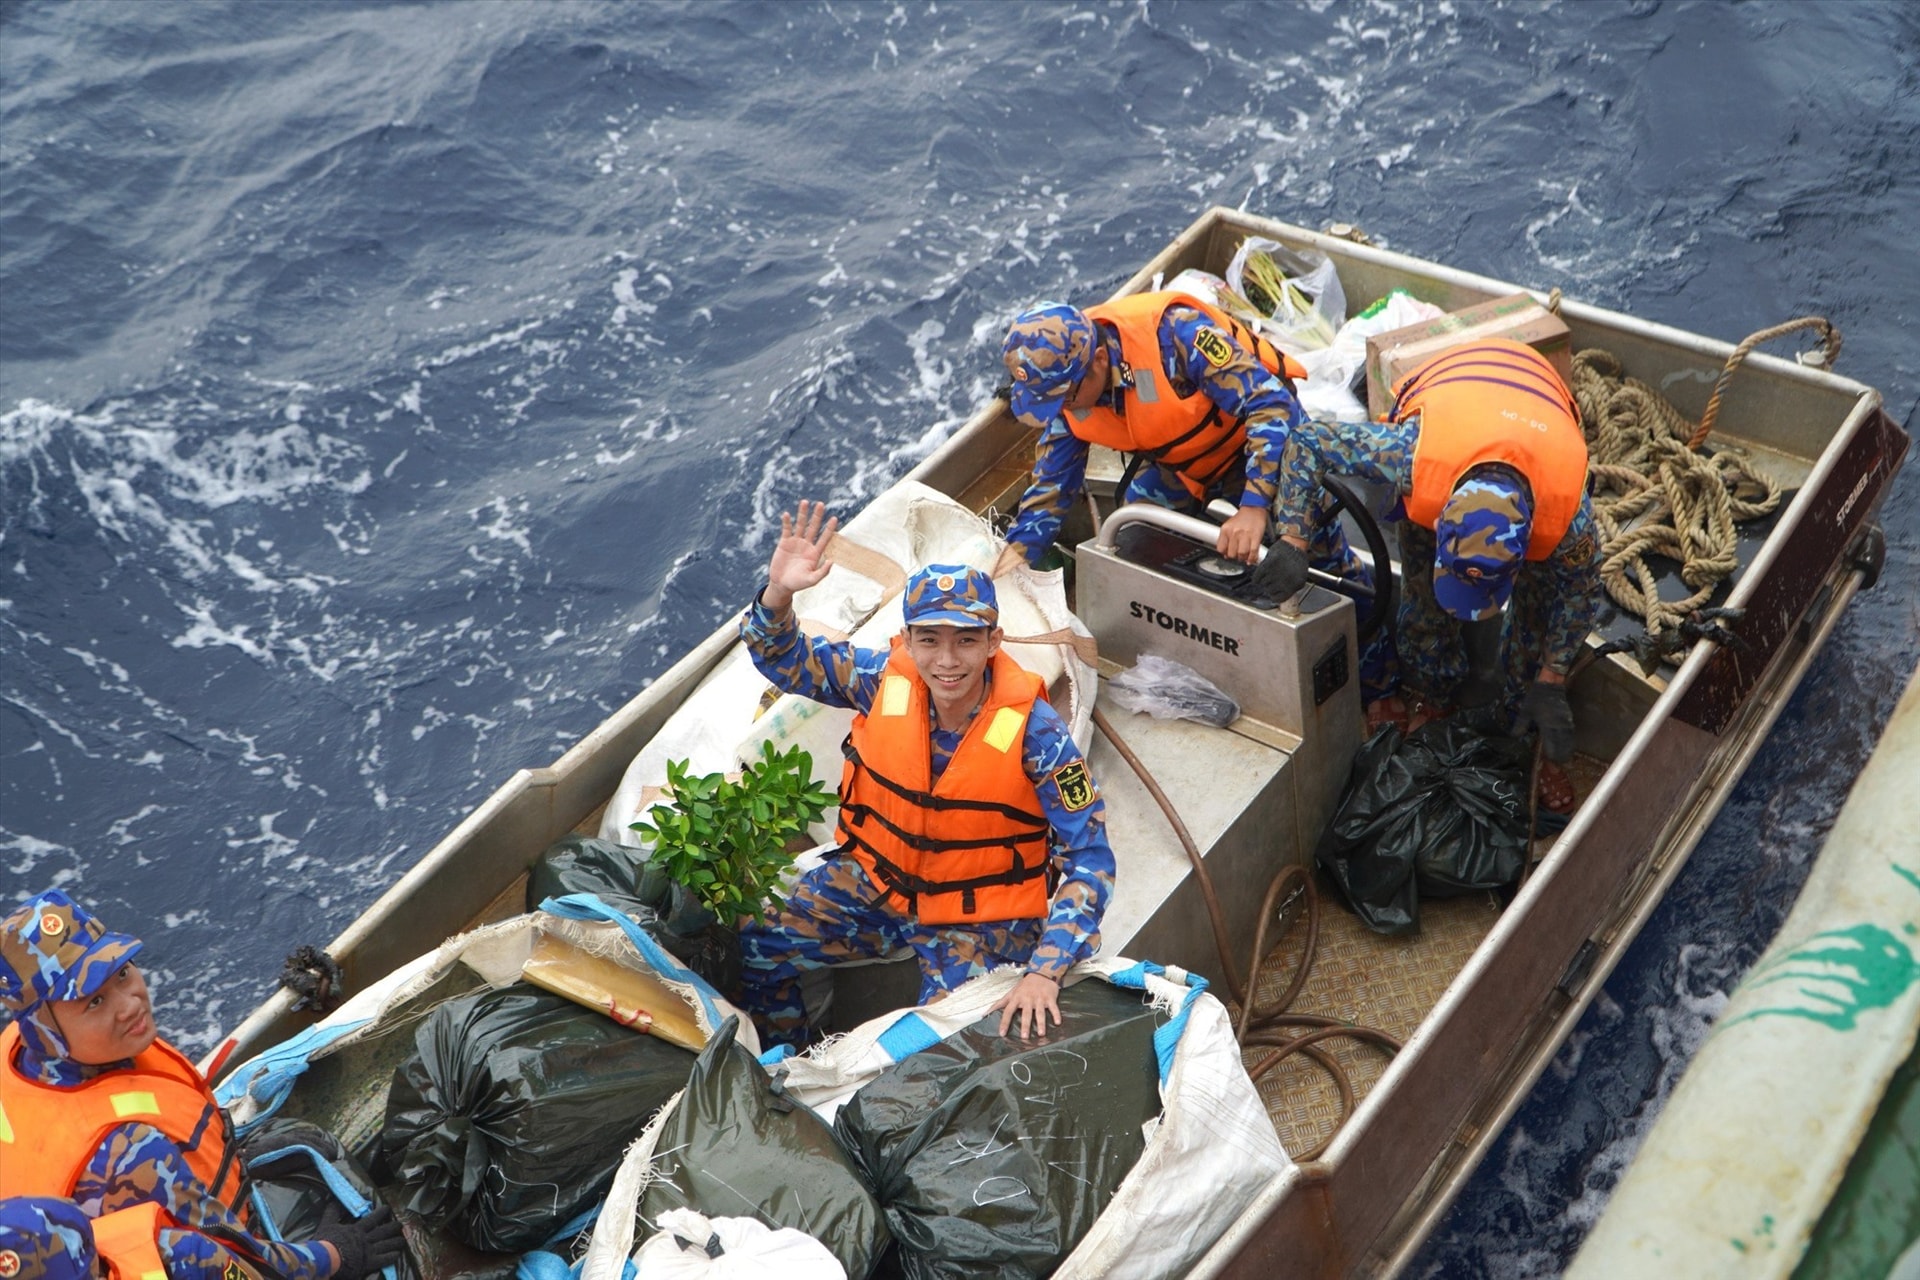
{"x":6,"y":1126}
{"x":896,"y":695}
{"x":135,"y":1102}
{"x":1005,"y":729}
{"x":153,"y":1275}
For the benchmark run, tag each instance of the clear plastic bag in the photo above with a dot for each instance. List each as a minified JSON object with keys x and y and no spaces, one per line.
{"x":1168,"y":690}
{"x":1291,"y":326}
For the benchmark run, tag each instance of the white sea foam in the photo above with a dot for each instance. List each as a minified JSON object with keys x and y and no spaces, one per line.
{"x":28,"y":853}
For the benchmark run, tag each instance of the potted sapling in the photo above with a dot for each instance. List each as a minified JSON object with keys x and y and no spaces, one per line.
{"x":728,"y":841}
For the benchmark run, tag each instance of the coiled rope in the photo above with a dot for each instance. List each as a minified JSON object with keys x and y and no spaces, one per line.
{"x":1656,"y":493}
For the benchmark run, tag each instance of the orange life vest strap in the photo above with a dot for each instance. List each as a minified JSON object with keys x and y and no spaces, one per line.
{"x":128,"y":1241}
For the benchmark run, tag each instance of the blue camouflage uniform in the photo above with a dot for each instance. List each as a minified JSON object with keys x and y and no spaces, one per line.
{"x":1046,"y":339}
{"x":836,"y":913}
{"x":1242,"y":387}
{"x":52,"y":1239}
{"x":1555,"y":601}
{"x":134,"y":1162}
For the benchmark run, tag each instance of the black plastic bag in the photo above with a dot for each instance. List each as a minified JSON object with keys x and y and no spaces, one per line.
{"x":673,"y":915}
{"x":513,"y":1114}
{"x":736,"y":1147}
{"x":993,"y":1155}
{"x":1439,"y":812}
{"x":282,"y":1157}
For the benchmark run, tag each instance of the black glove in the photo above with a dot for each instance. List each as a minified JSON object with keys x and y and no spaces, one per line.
{"x":365,"y":1245}
{"x":1281,"y":572}
{"x":1547,"y":710}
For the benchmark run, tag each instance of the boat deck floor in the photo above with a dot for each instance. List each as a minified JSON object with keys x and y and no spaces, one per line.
{"x":1358,"y":976}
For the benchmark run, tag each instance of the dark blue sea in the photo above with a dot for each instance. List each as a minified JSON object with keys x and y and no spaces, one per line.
{"x":390,"y":390}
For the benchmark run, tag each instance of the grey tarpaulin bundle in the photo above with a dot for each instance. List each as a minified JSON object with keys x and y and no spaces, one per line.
{"x":1441,"y":811}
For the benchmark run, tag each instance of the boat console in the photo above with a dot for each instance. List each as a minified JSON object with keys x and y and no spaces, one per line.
{"x":1256,"y":794}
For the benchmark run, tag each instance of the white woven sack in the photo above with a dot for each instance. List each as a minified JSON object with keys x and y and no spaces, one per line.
{"x":748,"y":1250}
{"x":1210,"y":1155}
{"x":260,"y":1086}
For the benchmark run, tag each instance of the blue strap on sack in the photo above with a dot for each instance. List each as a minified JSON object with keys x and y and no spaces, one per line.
{"x":338,"y":1187}
{"x":268,"y":1077}
{"x":1166,"y":1040}
{"x":544,"y":1264}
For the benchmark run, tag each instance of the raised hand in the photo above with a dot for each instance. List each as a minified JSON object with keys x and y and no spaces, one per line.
{"x":800,"y":557}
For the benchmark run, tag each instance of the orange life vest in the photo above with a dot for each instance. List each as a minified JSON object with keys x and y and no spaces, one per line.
{"x":989,"y":860}
{"x":1495,"y":401}
{"x":48,"y":1134}
{"x":1188,"y":435}
{"x":128,"y":1241}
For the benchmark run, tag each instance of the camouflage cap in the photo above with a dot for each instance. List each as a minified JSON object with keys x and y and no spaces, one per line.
{"x":1047,"y":352}
{"x":45,"y":1238}
{"x":1479,"y":541}
{"x":950,"y":594}
{"x":52,"y":949}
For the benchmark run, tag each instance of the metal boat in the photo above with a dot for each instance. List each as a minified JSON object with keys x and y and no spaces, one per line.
{"x":1484,"y":995}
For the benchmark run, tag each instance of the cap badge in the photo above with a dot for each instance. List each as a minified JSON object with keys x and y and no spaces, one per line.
{"x":9,"y":1264}
{"x":52,"y":924}
{"x":944,"y":582}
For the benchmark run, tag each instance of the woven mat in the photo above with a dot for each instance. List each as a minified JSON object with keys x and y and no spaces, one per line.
{"x":1361,"y":977}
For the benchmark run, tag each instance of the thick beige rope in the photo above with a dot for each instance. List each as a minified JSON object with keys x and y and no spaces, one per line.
{"x":1654,"y":495}
{"x":1829,"y":352}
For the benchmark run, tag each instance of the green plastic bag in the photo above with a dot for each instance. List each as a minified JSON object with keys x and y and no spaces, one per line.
{"x":737,"y":1147}
{"x":993,"y":1155}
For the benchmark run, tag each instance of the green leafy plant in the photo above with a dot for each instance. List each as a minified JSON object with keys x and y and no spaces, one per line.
{"x":727,"y":839}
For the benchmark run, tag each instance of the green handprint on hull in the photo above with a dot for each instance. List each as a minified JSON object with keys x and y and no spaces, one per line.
{"x":1843,"y":973}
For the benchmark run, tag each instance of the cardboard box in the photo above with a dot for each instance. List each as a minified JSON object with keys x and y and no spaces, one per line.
{"x":1394,"y":354}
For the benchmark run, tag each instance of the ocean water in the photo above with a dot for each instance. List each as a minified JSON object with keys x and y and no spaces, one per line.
{"x":388,"y":391}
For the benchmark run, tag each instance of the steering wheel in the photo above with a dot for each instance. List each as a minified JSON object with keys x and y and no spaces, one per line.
{"x":1379,"y":612}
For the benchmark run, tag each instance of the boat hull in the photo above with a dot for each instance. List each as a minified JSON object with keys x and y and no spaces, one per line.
{"x":1675,"y":742}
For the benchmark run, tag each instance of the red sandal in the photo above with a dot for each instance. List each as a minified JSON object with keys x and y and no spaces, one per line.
{"x":1391,"y":709}
{"x":1555,"y":790}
